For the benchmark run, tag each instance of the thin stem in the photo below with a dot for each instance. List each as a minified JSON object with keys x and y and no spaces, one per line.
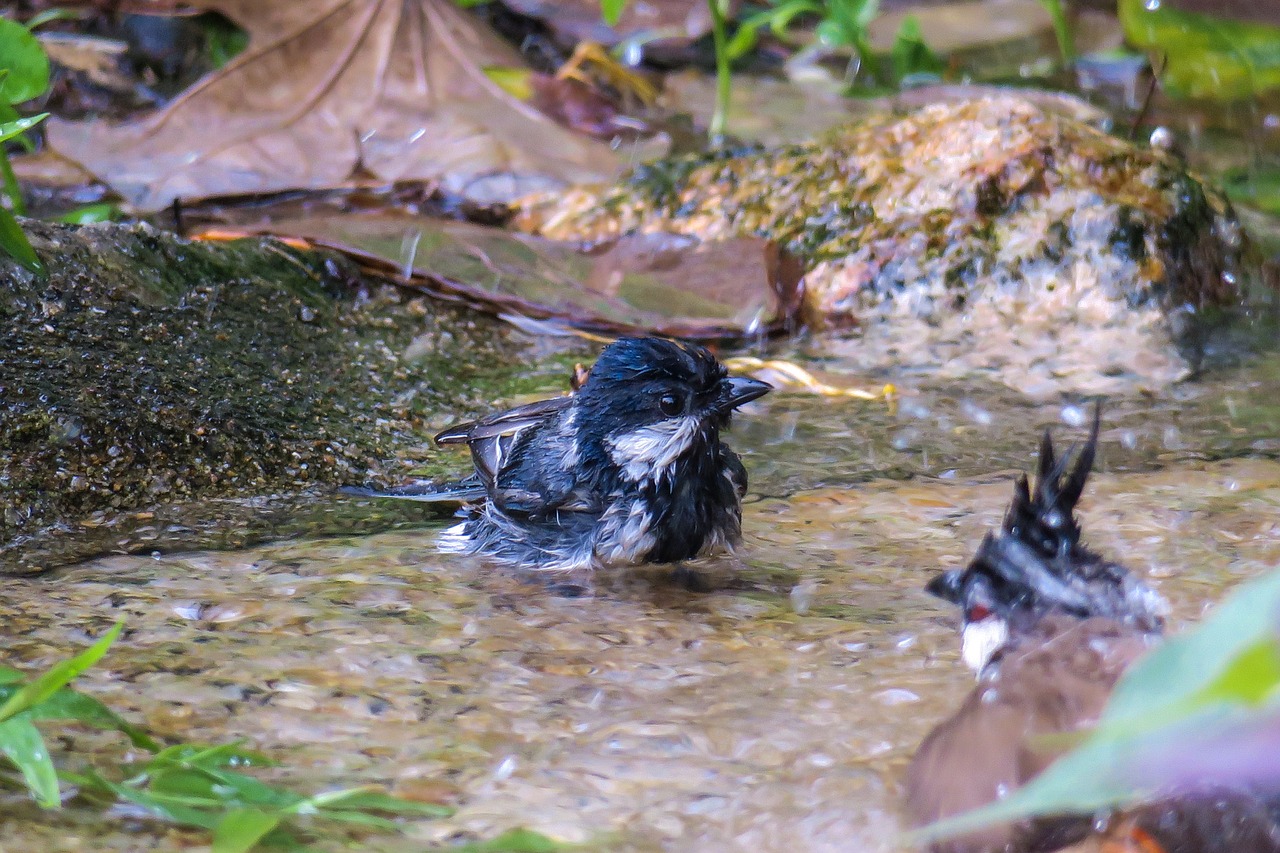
{"x":1062,"y":30}
{"x":719,"y":36}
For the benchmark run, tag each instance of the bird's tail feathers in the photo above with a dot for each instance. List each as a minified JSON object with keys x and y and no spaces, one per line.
{"x":427,"y":491}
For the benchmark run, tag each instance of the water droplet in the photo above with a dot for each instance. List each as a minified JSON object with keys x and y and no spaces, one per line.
{"x":505,"y":769}
{"x":1152,"y":5}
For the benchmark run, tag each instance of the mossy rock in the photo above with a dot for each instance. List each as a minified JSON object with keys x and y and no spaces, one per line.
{"x":160,"y":393}
{"x":988,"y":236}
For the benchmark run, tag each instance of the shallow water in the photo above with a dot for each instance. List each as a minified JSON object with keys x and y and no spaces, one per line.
{"x":773,"y":713}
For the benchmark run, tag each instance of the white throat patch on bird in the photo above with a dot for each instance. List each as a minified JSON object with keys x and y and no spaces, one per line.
{"x":981,"y":640}
{"x":649,"y":452}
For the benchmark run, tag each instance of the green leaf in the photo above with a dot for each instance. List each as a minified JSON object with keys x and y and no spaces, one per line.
{"x":17,"y":127}
{"x":25,"y":60}
{"x":512,"y":841}
{"x":211,"y":757}
{"x":744,"y":40}
{"x":222,"y":788}
{"x":170,"y":810}
{"x":611,"y":10}
{"x":910,"y":55}
{"x":781,"y":17}
{"x":516,"y":82}
{"x":864,"y":12}
{"x":1180,"y":668}
{"x":360,"y":819}
{"x":91,"y":213}
{"x":67,"y":704}
{"x":1061,"y":30}
{"x":56,"y":678}
{"x":1205,"y":57}
{"x":373,"y":800}
{"x":1257,"y":187}
{"x":241,"y":829}
{"x":21,"y":743}
{"x":1249,"y":679}
{"x":830,"y":33}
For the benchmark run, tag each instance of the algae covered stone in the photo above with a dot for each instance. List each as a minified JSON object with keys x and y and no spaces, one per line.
{"x":988,"y":235}
{"x":160,"y":393}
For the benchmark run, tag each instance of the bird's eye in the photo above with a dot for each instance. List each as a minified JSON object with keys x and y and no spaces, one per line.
{"x":670,"y":405}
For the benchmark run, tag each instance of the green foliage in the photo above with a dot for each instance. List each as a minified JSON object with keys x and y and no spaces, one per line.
{"x":910,"y":56}
{"x":25,"y":61}
{"x":1061,"y":30}
{"x":840,"y":23}
{"x":1258,"y":187}
{"x":20,"y":740}
{"x":24,"y":74}
{"x":611,"y":10}
{"x":512,"y":841}
{"x":1221,"y":678}
{"x":844,"y":24}
{"x":223,"y":40}
{"x":1205,"y":57}
{"x":90,"y":213}
{"x":197,"y":786}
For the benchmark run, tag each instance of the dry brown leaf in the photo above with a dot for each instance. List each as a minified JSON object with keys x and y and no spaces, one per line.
{"x":678,"y":21}
{"x":395,"y":88}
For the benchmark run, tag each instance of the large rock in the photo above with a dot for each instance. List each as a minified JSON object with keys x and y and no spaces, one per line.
{"x":989,"y":235}
{"x":156,"y":393}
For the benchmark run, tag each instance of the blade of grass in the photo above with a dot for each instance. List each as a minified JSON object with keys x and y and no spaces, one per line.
{"x":67,"y":704}
{"x":21,"y":743}
{"x":62,"y":673}
{"x":373,"y":800}
{"x":240,"y":830}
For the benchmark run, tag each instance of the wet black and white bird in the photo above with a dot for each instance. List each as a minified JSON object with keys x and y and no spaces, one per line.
{"x":628,"y":469}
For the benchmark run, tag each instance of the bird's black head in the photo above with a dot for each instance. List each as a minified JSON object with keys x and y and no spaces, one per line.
{"x":648,"y":400}
{"x":1036,"y":562}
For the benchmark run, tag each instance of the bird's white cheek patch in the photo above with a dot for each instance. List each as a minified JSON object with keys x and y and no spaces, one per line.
{"x":650,"y":451}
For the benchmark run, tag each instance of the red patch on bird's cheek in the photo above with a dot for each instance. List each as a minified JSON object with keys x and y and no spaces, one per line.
{"x":978,"y":612}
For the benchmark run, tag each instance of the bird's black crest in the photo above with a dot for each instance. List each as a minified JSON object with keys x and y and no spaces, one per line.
{"x":1045,"y":520}
{"x":631,"y":359}
{"x":1035,"y":562}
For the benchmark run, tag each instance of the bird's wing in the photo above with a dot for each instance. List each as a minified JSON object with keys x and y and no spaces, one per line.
{"x":494,"y":439}
{"x":502,"y":423}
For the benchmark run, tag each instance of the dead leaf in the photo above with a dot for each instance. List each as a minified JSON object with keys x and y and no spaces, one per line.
{"x":665,"y":283}
{"x":327,"y":88}
{"x":573,"y":21}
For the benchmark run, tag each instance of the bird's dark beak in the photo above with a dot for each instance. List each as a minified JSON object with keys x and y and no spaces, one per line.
{"x":737,"y":390}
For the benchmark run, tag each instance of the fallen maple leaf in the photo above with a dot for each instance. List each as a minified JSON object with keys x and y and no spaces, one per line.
{"x":331,"y":88}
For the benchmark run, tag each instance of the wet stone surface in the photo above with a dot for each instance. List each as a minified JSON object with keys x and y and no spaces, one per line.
{"x":157,"y":393}
{"x":774,"y":713}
